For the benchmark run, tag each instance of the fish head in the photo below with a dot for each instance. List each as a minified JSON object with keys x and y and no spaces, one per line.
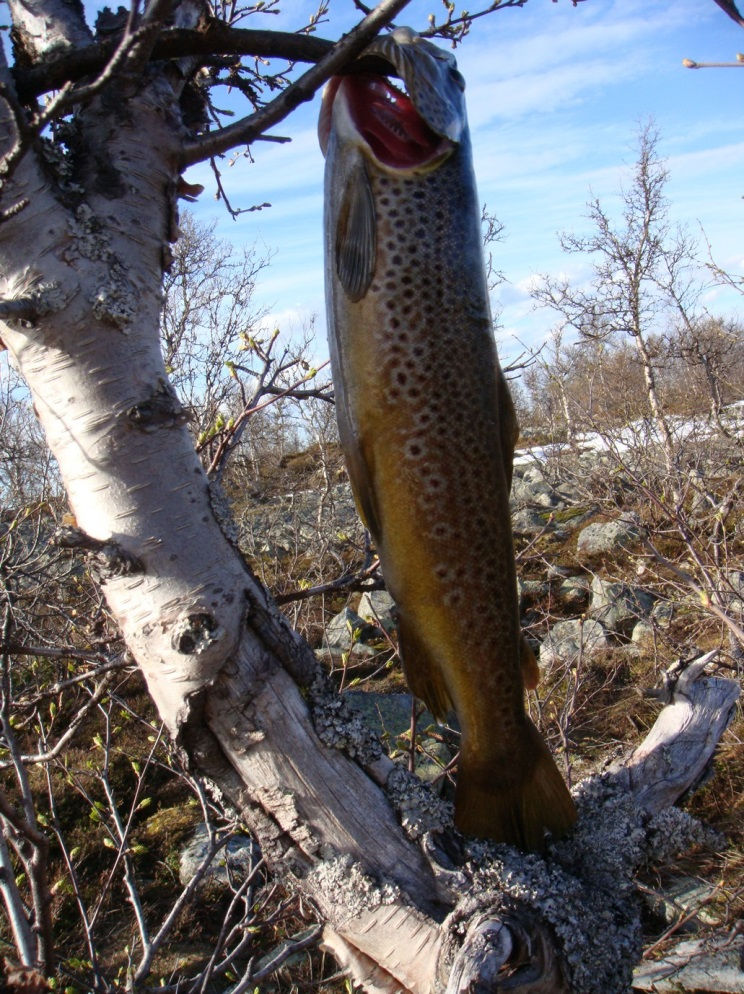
{"x":412,"y":131}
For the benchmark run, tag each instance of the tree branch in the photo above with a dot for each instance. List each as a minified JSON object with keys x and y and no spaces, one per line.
{"x":245,"y":131}
{"x":173,"y":43}
{"x":730,"y":8}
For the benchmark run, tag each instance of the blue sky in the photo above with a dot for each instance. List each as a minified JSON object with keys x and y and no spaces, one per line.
{"x":556,"y":95}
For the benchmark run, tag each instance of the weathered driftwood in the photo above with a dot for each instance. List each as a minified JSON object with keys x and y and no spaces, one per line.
{"x":675,"y":755}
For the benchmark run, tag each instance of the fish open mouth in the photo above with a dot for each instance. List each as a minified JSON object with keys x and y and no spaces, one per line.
{"x":386,"y":119}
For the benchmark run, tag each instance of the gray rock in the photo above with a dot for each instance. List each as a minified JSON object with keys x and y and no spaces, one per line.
{"x":276,"y":526}
{"x":390,"y":716}
{"x":574,"y":592}
{"x":569,"y":639}
{"x":618,"y":606}
{"x":534,"y":589}
{"x":696,"y":965}
{"x":387,"y":714}
{"x":533,"y":474}
{"x":610,"y":536}
{"x":528,"y":521}
{"x":644,"y":633}
{"x":576,"y":519}
{"x":347,"y":629}
{"x":531,"y":490}
{"x":378,"y":607}
{"x":557,"y":572}
{"x":232,"y":863}
{"x":568,"y":493}
{"x":689,"y":894}
{"x":662,"y":614}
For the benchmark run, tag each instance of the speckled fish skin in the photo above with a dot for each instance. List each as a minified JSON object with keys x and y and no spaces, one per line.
{"x":428,"y":430}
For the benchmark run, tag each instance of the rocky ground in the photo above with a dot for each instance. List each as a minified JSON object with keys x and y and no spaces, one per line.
{"x":604,"y":626}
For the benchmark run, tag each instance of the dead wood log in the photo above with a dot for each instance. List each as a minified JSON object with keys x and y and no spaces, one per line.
{"x":410,"y":919}
{"x":675,"y":755}
{"x":571,"y":923}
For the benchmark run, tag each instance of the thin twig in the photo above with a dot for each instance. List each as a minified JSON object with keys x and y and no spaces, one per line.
{"x":359,"y":580}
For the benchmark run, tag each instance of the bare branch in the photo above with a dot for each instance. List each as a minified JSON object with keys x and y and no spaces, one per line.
{"x":368,"y":578}
{"x":245,"y":131}
{"x":730,"y":8}
{"x":172,"y":43}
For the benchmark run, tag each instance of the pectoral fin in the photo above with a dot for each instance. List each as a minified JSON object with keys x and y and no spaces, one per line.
{"x":356,"y":235}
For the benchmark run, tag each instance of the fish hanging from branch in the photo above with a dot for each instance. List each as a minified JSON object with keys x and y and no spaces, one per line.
{"x":427,"y":424}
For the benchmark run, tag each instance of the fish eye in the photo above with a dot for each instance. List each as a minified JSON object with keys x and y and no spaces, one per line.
{"x":457,"y":78}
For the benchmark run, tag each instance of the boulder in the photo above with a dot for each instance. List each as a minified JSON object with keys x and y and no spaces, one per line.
{"x":533,"y":474}
{"x":233,"y":862}
{"x":346,"y":630}
{"x":529,"y":521}
{"x":619,"y":607}
{"x":573,"y":593}
{"x":532,"y":590}
{"x":378,"y":608}
{"x":569,"y":639}
{"x":390,"y":716}
{"x":536,"y":493}
{"x":610,"y":536}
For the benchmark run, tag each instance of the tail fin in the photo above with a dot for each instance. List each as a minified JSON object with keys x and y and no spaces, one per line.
{"x":515,"y":800}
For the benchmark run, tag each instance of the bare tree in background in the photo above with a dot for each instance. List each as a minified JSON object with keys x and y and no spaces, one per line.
{"x":207,"y":321}
{"x":640,"y":341}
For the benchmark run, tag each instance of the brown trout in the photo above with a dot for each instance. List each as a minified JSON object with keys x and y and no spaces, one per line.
{"x":427,"y":424}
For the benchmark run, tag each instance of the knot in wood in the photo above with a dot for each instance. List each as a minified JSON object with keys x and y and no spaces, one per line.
{"x":194,"y":633}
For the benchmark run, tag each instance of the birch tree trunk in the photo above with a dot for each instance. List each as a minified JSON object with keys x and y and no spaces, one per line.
{"x":84,"y":239}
